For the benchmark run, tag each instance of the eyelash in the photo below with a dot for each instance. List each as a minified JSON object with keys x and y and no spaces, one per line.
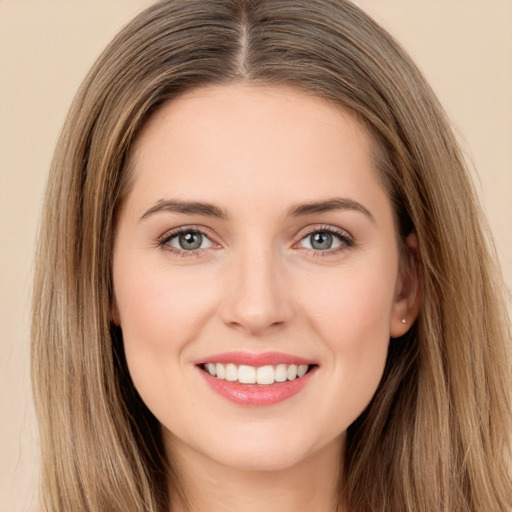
{"x":163,"y":241}
{"x":346,"y":240}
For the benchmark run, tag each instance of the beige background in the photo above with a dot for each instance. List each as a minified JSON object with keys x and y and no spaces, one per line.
{"x":463,"y":46}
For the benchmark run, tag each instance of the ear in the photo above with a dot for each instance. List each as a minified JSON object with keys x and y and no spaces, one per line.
{"x":408,"y":291}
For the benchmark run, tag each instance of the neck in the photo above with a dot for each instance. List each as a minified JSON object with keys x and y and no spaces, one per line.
{"x":311,"y":484}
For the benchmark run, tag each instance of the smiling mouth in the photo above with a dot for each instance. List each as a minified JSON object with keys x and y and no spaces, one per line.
{"x":260,"y":375}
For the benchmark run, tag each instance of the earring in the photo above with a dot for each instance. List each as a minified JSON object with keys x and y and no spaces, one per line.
{"x":404,"y":321}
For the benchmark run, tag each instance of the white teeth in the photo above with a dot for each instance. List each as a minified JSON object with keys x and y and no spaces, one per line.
{"x":292,"y":372}
{"x":221,"y":371}
{"x":231,"y":372}
{"x":263,"y":375}
{"x":281,"y":372}
{"x":246,"y":374}
{"x":301,"y":370}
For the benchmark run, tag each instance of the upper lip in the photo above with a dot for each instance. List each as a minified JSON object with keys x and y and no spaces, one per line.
{"x":255,"y":359}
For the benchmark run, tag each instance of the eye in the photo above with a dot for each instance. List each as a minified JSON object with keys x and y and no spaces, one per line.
{"x":325,"y":240}
{"x":186,"y":240}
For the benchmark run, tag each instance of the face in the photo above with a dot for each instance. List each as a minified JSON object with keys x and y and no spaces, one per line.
{"x":256,"y":275}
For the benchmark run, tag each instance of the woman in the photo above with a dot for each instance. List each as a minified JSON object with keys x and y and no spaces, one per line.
{"x":263,"y":277}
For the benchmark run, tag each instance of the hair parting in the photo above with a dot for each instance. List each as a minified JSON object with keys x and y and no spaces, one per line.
{"x":439,"y":424}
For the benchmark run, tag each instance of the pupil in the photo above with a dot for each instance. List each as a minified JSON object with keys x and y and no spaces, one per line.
{"x":190,"y":241}
{"x":321,"y":241}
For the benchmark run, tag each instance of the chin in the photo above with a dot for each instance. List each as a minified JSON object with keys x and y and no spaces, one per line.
{"x":267,"y":452}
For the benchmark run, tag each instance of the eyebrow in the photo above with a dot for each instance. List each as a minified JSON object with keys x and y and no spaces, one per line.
{"x":329,"y":205}
{"x":186,"y":207}
{"x":210,"y":210}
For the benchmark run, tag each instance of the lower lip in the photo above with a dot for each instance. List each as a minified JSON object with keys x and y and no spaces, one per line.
{"x":255,"y":395}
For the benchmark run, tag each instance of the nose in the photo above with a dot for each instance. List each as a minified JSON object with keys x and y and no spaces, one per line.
{"x":258,"y":299}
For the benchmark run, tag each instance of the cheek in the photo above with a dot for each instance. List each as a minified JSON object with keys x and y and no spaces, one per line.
{"x":353,"y":320}
{"x":160,"y":312}
{"x":353,"y":305}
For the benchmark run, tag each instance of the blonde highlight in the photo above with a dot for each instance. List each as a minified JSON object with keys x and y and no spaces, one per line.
{"x":439,"y":423}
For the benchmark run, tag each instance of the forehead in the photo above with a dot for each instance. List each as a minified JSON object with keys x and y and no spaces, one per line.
{"x":239,"y":138}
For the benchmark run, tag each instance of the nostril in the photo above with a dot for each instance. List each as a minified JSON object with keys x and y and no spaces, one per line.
{"x":256,"y":324}
{"x":256,"y":299}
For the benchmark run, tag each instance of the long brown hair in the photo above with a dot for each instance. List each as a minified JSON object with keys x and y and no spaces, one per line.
{"x":436,"y":436}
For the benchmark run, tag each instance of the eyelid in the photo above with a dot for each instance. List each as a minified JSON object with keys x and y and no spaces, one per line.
{"x":162,"y":240}
{"x":347,"y":240}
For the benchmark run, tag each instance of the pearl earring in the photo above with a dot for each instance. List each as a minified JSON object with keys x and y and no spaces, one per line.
{"x":404,"y":321}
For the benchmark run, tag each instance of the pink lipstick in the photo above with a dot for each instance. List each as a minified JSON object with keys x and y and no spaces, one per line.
{"x":256,"y":379}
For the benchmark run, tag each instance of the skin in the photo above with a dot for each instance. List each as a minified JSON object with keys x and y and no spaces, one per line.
{"x":257,"y":284}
